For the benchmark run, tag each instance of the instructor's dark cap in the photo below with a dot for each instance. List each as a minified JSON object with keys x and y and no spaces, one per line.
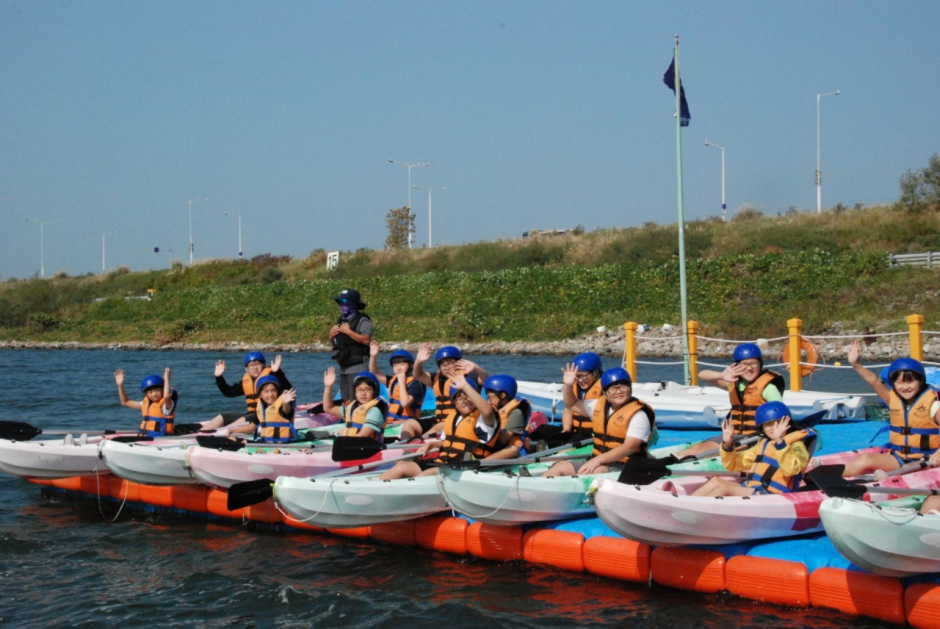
{"x":348,"y":294}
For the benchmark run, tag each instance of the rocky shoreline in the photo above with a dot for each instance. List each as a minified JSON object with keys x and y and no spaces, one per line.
{"x":662,"y":342}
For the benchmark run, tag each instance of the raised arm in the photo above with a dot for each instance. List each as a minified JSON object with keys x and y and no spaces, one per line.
{"x":119,"y":380}
{"x":572,"y":402}
{"x":329,"y":379}
{"x":424,"y":352}
{"x":374,"y":362}
{"x":485,"y":408}
{"x":854,"y":358}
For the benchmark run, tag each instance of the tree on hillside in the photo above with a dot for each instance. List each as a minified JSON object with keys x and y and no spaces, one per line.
{"x":401,"y":224}
{"x":921,"y":189}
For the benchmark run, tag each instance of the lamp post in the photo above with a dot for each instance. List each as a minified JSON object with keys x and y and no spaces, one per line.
{"x":103,"y":234}
{"x":191,"y":201}
{"x":724,"y":206}
{"x":239,"y":231}
{"x":42,"y":238}
{"x":819,"y":97}
{"x":430,"y":191}
{"x":410,"y":166}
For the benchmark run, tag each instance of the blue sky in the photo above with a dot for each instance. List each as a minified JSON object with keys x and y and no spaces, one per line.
{"x":532,"y":114}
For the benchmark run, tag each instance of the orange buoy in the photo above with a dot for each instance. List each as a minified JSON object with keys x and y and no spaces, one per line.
{"x":497,"y":543}
{"x":217,"y":504}
{"x":360,"y":532}
{"x":159,"y":496}
{"x":858,"y":593}
{"x":768,"y":580}
{"x":922,"y":601}
{"x":190,"y":498}
{"x":442,"y":533}
{"x":562,"y":549}
{"x":617,"y":558}
{"x":95,"y":485}
{"x":123,"y":489}
{"x":807,"y":363}
{"x":263,"y":512}
{"x":42,"y":481}
{"x":688,"y":568}
{"x":402,"y":533}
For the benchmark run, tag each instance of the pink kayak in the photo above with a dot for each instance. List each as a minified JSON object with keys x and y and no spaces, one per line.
{"x":664,"y":514}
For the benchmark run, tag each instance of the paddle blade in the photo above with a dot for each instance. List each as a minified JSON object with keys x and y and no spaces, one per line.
{"x":355,"y":448}
{"x":18,"y":431}
{"x":836,"y":486}
{"x":131,"y":439}
{"x":249,"y":493}
{"x":187,"y":429}
{"x":221,"y":443}
{"x":641,"y":470}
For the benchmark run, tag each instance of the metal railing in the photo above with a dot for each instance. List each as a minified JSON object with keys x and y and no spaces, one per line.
{"x":927,"y":259}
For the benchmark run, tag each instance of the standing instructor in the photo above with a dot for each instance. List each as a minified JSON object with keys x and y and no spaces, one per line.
{"x":350,"y":338}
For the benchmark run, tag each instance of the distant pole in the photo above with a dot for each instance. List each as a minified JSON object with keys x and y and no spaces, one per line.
{"x":410,"y":166}
{"x":103,"y":234}
{"x":239,"y":231}
{"x":430,"y":232}
{"x":42,"y":248}
{"x":724,"y":206}
{"x":191,"y":201}
{"x":682,"y":284}
{"x":819,"y":97}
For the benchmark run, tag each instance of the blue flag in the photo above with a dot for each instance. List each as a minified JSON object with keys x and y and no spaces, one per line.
{"x":670,"y":80}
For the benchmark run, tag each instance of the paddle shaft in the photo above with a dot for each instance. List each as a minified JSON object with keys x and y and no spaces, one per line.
{"x":368,"y":466}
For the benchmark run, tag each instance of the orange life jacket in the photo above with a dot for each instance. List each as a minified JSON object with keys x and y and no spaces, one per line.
{"x":914,"y":435}
{"x":744,"y":407}
{"x":251,"y":393}
{"x":766,"y":470}
{"x":155,"y":423}
{"x":610,"y":432}
{"x":396,"y":409}
{"x":594,"y":392}
{"x":356,"y":417}
{"x":460,"y":436}
{"x":440,"y":385}
{"x":273,"y":427}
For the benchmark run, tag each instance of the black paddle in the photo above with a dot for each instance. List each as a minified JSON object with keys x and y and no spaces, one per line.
{"x":21,"y":431}
{"x":234,"y":445}
{"x":356,"y":448}
{"x":832,"y":483}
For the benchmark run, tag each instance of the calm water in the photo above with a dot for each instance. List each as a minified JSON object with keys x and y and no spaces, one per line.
{"x":62,"y":564}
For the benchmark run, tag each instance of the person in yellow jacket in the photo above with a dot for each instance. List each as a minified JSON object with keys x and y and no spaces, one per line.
{"x":158,"y":407}
{"x":366,"y":413}
{"x":774,"y":465}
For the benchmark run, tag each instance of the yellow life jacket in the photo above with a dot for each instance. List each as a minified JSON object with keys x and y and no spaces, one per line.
{"x":155,"y":423}
{"x":273,"y":427}
{"x":744,"y":407}
{"x":610,"y":432}
{"x":766,"y":472}
{"x":356,"y":418}
{"x":396,"y":409}
{"x":251,"y":393}
{"x":460,"y":436}
{"x":594,"y":392}
{"x":914,"y":435}
{"x":515,"y":440}
{"x":440,"y":385}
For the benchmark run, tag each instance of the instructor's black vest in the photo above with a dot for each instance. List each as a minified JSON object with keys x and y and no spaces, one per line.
{"x":348,"y":351}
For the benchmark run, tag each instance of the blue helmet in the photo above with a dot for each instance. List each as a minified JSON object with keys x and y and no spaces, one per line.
{"x":615,"y":375}
{"x":747,"y":350}
{"x":454,"y":390}
{"x":883,"y":376}
{"x":771,"y":411}
{"x":253,"y":356}
{"x":907,"y":364}
{"x":501,"y":383}
{"x":588,"y":361}
{"x":269,"y":379}
{"x":401,"y":353}
{"x":369,"y":377}
{"x":151,"y":382}
{"x":448,"y":351}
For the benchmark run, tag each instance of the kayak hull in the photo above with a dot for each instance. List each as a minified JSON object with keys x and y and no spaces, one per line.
{"x":147,"y":463}
{"x":53,"y":458}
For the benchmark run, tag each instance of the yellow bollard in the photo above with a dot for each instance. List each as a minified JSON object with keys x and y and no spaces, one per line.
{"x":915,"y":325}
{"x":693,"y":352}
{"x":796,"y":378}
{"x":629,"y":359}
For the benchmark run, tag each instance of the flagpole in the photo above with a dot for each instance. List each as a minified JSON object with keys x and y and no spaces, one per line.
{"x":682,"y":284}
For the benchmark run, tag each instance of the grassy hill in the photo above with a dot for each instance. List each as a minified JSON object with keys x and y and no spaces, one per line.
{"x":745,"y":278}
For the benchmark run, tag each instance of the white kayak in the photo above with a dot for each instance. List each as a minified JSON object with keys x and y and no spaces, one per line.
{"x":360,"y":500}
{"x":701,"y":407}
{"x":889,"y":538}
{"x":72,"y":455}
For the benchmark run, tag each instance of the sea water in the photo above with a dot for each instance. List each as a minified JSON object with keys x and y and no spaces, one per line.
{"x":64,"y":563}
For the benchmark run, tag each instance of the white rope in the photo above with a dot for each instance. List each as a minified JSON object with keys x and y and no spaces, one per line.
{"x":854,"y":336}
{"x":926,"y":333}
{"x":515,"y":486}
{"x":652,"y":362}
{"x":317,"y":512}
{"x":708,"y":338}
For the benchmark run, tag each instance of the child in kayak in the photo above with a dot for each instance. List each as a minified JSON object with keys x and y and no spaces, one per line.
{"x":514,"y":413}
{"x":473,"y":429}
{"x":449,"y":361}
{"x":405,"y":393}
{"x":622,"y":425}
{"x":775,"y":464}
{"x":913,"y":413}
{"x":158,"y":406}
{"x":587,"y":386}
{"x":366,"y":414}
{"x":274,"y":414}
{"x":749,"y":385}
{"x":254,"y":369}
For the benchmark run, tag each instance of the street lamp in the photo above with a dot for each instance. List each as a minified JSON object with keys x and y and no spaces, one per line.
{"x":191,"y":201}
{"x":819,"y":97}
{"x":239,"y":231}
{"x":724,"y":206}
{"x":42,"y":254}
{"x":410,"y":166}
{"x":430,"y":190}
{"x":103,"y":234}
